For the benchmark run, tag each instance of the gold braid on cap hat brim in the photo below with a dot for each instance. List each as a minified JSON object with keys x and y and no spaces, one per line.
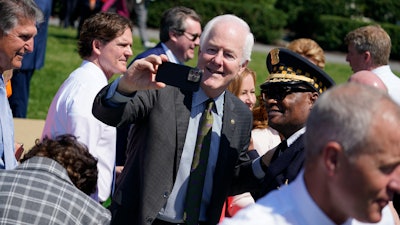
{"x":279,"y":77}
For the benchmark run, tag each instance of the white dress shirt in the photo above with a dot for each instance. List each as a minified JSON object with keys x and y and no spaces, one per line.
{"x":391,"y":81}
{"x":291,"y":205}
{"x":71,"y":112}
{"x":170,"y":55}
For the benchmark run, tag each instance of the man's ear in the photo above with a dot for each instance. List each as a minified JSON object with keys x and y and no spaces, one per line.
{"x":173,"y":36}
{"x":367,"y":56}
{"x":313,"y":97}
{"x":331,"y":155}
{"x":243,"y":66}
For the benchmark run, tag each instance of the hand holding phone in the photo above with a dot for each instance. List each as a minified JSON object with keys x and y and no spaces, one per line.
{"x":181,"y":76}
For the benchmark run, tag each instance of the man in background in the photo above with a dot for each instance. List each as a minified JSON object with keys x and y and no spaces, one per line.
{"x":20,"y":81}
{"x":290,"y":92}
{"x":17,"y":31}
{"x":369,"y":49}
{"x":180,"y":30}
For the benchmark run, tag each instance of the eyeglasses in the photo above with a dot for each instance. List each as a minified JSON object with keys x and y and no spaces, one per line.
{"x":280,"y":92}
{"x":192,"y":37}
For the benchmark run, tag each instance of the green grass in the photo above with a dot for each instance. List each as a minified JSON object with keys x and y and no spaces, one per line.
{"x":62,"y":58}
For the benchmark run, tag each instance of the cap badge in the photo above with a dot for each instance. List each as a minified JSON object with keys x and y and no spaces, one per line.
{"x":274,"y":56}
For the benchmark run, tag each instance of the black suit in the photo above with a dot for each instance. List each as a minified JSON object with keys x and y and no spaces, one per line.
{"x":283,"y":168}
{"x":161,"y":119}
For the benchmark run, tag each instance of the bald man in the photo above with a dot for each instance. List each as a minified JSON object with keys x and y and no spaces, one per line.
{"x":371,"y":79}
{"x":368,"y":78}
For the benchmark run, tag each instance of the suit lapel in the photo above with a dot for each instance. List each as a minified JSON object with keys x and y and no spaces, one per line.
{"x":182,"y":118}
{"x":283,"y":161}
{"x":228,"y":120}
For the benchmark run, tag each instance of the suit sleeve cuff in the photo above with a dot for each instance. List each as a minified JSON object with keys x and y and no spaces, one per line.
{"x":113,"y":97}
{"x":258,"y":169}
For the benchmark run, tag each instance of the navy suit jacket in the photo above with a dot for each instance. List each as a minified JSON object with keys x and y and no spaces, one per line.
{"x":156,"y":50}
{"x":161,"y":119}
{"x":285,"y":168}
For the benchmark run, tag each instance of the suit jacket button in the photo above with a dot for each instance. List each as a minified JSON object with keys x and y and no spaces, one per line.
{"x":149,"y":220}
{"x":166,"y":194}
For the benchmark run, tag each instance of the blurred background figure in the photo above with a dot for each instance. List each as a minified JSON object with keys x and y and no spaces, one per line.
{"x":367,"y":77}
{"x":369,"y":49}
{"x":21,"y":79}
{"x":139,"y":14}
{"x":119,"y":6}
{"x":68,"y":13}
{"x":87,"y":8}
{"x":309,"y":49}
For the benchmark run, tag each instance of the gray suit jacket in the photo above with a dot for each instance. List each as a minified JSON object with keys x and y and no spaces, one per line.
{"x":161,"y":118}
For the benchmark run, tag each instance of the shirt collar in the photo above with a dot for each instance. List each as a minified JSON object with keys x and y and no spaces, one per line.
{"x":170,"y":55}
{"x":294,"y":136}
{"x":199,"y":97}
{"x":381,"y":69}
{"x":45,"y":164}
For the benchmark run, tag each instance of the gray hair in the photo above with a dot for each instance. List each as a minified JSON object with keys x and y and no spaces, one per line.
{"x":344,"y":114}
{"x":12,"y":11}
{"x":249,"y":42}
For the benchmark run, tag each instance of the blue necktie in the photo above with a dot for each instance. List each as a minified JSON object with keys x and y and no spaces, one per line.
{"x":7,"y":130}
{"x":199,"y":166}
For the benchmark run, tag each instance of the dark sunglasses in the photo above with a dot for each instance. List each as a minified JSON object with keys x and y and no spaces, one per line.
{"x":189,"y":36}
{"x":280,"y":92}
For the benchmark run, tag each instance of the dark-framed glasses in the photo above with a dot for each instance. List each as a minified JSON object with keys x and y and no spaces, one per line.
{"x":190,"y":36}
{"x":280,"y":92}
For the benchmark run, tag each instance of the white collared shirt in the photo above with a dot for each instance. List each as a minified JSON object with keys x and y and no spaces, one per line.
{"x":170,"y":55}
{"x":71,"y":112}
{"x":292,"y":205}
{"x":391,"y":81}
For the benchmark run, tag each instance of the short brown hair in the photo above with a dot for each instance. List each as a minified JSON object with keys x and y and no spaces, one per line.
{"x":104,"y":26}
{"x":374,"y":39}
